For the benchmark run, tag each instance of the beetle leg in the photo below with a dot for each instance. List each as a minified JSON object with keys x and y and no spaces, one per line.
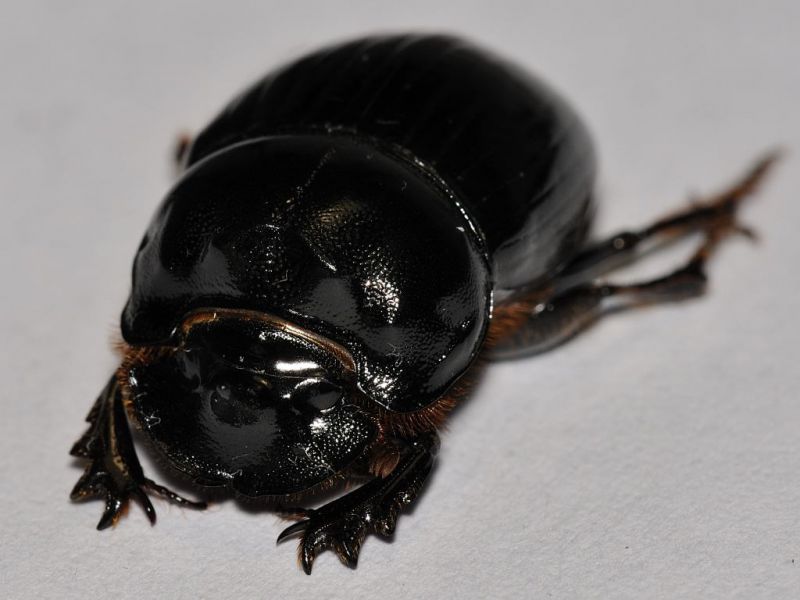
{"x":114,"y":472}
{"x":543,"y":319}
{"x":180,"y":151}
{"x":626,"y":246}
{"x":344,"y":523}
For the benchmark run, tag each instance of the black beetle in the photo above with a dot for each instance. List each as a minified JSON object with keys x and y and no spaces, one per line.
{"x":346,"y":240}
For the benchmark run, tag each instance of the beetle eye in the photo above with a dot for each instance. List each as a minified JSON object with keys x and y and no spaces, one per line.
{"x":319,"y":396}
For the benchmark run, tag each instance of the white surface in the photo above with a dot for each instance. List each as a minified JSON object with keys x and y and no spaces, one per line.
{"x":655,"y":457}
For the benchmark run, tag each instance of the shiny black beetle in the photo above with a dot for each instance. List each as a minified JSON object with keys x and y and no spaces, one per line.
{"x":346,"y":240}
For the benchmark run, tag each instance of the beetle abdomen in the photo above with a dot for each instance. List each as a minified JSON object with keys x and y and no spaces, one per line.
{"x":506,"y":144}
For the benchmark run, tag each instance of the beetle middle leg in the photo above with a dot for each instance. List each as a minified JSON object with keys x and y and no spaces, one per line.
{"x":537,"y":320}
{"x":114,"y":472}
{"x":344,"y":523}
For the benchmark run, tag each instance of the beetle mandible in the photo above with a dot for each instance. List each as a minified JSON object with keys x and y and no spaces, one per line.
{"x":345,"y":242}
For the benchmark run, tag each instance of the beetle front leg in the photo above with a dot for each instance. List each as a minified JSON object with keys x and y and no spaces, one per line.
{"x":114,"y":472}
{"x":344,"y":523}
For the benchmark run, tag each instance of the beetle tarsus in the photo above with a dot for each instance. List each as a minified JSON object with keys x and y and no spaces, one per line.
{"x":373,"y":508}
{"x":100,"y":481}
{"x":114,"y":472}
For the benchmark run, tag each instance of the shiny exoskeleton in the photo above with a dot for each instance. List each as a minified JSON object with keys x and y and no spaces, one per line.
{"x":345,"y":241}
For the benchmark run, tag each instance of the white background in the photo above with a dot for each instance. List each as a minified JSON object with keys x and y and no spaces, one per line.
{"x":658,"y":456}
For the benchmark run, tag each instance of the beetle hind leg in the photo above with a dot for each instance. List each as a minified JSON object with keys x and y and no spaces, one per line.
{"x":114,"y":472}
{"x":715,"y":213}
{"x":538,"y":320}
{"x":344,"y":523}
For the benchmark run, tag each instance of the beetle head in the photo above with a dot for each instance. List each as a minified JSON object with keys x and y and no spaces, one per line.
{"x":252,"y":402}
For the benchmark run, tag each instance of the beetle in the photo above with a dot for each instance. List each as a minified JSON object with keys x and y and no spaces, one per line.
{"x":346,"y":243}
